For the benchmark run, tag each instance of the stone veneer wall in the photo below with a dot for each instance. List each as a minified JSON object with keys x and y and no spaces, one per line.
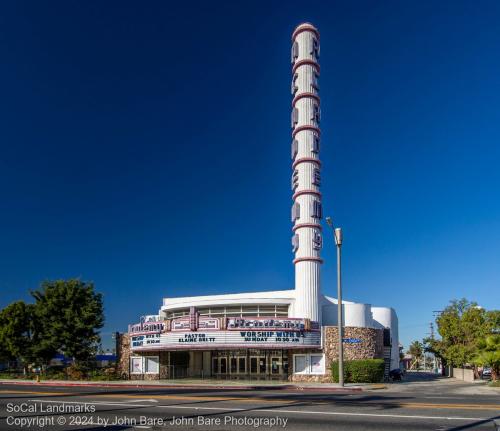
{"x":124,"y":354}
{"x":371,"y":347}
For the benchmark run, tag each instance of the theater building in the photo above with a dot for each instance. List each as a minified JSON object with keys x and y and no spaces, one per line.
{"x":283,"y":335}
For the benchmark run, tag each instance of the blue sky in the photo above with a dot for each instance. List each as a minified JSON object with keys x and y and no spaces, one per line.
{"x":145,"y":147}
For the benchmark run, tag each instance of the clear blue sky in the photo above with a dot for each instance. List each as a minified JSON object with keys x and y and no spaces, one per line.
{"x":145,"y":147}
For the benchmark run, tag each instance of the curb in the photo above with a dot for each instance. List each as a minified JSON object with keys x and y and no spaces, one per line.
{"x":179,"y":386}
{"x":376,"y":387}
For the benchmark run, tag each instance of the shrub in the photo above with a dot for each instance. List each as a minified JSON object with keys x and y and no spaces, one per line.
{"x":15,"y":375}
{"x":360,"y":371}
{"x":54,"y":374}
{"x":74,"y":372}
{"x":102,"y":374}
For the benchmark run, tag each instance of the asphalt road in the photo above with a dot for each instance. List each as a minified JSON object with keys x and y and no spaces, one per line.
{"x":435,"y":406}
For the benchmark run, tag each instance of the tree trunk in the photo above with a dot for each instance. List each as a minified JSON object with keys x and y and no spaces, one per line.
{"x":495,"y":373}
{"x":476,"y":372}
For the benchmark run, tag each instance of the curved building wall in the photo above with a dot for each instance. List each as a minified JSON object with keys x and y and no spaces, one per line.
{"x":386,"y":317}
{"x":355,"y":315}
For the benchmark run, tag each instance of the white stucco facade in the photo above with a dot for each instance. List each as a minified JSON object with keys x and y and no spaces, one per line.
{"x":357,"y":315}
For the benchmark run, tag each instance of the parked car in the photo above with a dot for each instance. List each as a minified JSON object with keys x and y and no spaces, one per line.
{"x":396,"y":375}
{"x":486,"y":374}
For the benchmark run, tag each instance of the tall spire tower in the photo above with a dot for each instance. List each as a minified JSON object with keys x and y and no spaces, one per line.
{"x":306,"y":174}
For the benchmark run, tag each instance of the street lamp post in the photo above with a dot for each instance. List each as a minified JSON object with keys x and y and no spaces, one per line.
{"x":337,"y":236}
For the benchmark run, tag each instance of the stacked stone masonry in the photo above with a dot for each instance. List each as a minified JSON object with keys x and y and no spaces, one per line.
{"x":369,"y":347}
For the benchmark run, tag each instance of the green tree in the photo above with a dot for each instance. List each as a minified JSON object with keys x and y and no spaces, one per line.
{"x":70,"y":313}
{"x":16,"y":332}
{"x":488,"y":354}
{"x":461,"y":325}
{"x":434,"y":346}
{"x":416,"y":350}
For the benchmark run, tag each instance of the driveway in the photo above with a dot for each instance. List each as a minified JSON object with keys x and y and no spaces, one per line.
{"x":434,"y":385}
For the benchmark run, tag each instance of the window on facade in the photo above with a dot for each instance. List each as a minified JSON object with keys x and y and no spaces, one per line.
{"x":204,"y":311}
{"x":310,"y":363}
{"x":316,"y":209}
{"x":295,"y":211}
{"x":295,"y":243}
{"x":177,"y":313}
{"x":215,"y":365}
{"x":136,"y":365}
{"x":295,"y":148}
{"x":315,"y":144}
{"x":315,"y":49}
{"x":233,"y":365}
{"x":233,"y":311}
{"x":152,"y":364}
{"x":295,"y":52}
{"x":300,"y":364}
{"x":317,"y":364}
{"x":295,"y":117}
{"x":281,"y":310}
{"x":294,"y":84}
{"x":316,"y":177}
{"x":265,"y":310}
{"x":295,"y":179}
{"x":317,"y":241}
{"x":316,"y":114}
{"x":315,"y":82}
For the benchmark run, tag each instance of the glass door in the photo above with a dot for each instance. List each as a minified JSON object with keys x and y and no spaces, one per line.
{"x":275,"y":366}
{"x":233,"y":365}
{"x":215,"y":366}
{"x":242,"y":365}
{"x":254,"y":362}
{"x":223,"y":365}
{"x":262,"y":365}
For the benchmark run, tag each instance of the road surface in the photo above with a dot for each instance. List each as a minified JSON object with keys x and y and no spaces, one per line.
{"x":433,"y":406}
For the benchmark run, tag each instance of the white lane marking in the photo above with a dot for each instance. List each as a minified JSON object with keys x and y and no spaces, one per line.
{"x":274,"y":411}
{"x":309,"y":412}
{"x":94,"y":402}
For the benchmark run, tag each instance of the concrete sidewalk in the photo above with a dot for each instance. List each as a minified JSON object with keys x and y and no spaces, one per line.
{"x":197,"y":384}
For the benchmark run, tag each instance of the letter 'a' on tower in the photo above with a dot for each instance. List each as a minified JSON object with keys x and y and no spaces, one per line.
{"x":306,"y":171}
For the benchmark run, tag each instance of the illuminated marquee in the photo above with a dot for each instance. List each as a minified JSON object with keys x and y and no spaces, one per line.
{"x":285,"y":339}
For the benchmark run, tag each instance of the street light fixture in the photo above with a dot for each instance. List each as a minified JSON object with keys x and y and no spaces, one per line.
{"x":337,"y":236}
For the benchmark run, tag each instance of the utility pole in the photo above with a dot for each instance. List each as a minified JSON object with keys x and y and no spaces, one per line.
{"x":434,"y":362}
{"x":337,"y":236}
